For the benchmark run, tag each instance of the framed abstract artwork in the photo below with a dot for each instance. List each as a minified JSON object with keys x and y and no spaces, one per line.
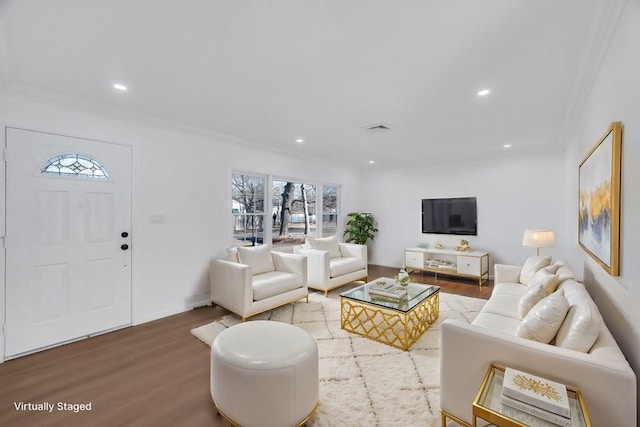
{"x":599,"y":200}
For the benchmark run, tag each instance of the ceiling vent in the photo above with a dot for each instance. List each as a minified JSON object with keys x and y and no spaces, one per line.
{"x":377,"y":127}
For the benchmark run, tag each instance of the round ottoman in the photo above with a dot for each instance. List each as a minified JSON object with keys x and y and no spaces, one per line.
{"x":265,"y":373}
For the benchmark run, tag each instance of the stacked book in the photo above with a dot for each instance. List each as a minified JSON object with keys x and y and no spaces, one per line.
{"x":537,"y":396}
{"x":388,"y":289}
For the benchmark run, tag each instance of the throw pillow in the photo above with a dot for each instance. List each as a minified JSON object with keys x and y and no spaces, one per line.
{"x":580,"y":329}
{"x":543,"y":321}
{"x":547,"y":280}
{"x":530,"y":298}
{"x":329,"y":244}
{"x":258,"y":258}
{"x":531,"y":265}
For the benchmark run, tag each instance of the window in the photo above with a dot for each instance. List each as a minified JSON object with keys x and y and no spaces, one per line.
{"x":248,"y":196}
{"x":74,"y":165}
{"x":329,"y":210}
{"x":282,"y":211}
{"x":294,"y":212}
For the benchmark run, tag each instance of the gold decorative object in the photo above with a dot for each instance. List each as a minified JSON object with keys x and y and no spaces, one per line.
{"x":439,"y":246}
{"x":464,"y":246}
{"x":540,"y":388}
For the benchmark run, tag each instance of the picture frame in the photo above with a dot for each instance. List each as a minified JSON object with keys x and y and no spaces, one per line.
{"x":599,"y":200}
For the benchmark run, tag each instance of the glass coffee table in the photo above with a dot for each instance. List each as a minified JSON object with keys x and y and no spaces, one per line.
{"x":398,"y":322}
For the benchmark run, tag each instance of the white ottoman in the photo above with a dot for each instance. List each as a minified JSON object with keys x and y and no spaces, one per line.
{"x":265,"y":373}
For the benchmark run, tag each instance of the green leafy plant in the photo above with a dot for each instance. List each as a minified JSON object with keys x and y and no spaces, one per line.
{"x":360,"y":228}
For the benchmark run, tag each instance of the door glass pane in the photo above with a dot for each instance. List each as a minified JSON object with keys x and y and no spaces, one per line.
{"x":74,"y":165}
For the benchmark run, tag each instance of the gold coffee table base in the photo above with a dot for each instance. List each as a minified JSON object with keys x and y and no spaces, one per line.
{"x":388,"y":326}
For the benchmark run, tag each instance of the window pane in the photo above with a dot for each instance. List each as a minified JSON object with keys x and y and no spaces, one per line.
{"x":329,"y":210}
{"x":294,"y":212}
{"x":248,"y":194}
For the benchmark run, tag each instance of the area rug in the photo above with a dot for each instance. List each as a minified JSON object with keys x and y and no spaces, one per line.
{"x":363,"y":382}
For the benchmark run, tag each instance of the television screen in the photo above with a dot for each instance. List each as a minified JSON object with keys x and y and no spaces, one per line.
{"x":450,"y":216}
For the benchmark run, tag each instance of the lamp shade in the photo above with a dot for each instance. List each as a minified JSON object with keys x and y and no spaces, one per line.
{"x":538,"y":238}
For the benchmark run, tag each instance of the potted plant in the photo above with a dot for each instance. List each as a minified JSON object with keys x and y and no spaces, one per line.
{"x":360,"y":228}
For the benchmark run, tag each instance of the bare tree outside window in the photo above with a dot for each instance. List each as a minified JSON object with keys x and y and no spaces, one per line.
{"x":248,"y":195}
{"x":294,"y":206}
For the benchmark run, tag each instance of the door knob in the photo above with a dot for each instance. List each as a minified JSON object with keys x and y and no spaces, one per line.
{"x":124,"y":247}
{"x":124,"y":234}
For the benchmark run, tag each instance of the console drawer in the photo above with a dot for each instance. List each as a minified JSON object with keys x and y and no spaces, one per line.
{"x":468,"y":265}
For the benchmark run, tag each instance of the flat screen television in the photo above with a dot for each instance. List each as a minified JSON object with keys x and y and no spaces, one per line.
{"x":450,"y":216}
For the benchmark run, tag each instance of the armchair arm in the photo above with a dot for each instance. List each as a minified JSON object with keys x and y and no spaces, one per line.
{"x":504,"y":273}
{"x":291,"y":263}
{"x":231,"y":285}
{"x":352,"y":250}
{"x":317,"y":266}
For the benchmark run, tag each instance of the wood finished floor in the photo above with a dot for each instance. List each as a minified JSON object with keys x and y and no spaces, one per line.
{"x":155,"y":374}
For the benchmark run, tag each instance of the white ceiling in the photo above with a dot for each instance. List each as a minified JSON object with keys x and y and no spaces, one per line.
{"x":272,"y":71}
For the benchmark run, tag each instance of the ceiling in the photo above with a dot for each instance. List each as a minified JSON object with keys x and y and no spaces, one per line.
{"x":271,"y":71}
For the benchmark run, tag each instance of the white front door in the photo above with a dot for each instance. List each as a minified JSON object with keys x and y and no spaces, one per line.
{"x":68,"y":239}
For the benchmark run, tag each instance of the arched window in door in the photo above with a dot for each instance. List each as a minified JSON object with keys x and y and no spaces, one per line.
{"x":74,"y":165}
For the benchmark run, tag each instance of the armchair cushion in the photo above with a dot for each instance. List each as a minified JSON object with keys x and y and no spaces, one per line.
{"x":257,"y":257}
{"x":329,"y":244}
{"x":272,"y":283}
{"x":342,"y":266}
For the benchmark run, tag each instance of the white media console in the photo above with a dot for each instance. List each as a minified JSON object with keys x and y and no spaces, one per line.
{"x":471,"y":264}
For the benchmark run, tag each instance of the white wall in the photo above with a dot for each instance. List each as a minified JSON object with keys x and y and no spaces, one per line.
{"x":615,"y":97}
{"x":513,"y":193}
{"x":183,"y":175}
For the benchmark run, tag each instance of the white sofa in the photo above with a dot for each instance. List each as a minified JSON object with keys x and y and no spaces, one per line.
{"x":332,"y":264}
{"x":256,"y":279}
{"x":601,"y":372}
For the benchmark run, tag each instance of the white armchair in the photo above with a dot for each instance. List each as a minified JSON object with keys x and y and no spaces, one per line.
{"x":257,"y":279}
{"x":332,"y":264}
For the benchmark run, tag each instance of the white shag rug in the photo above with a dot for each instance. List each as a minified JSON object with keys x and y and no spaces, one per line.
{"x":363,"y":382}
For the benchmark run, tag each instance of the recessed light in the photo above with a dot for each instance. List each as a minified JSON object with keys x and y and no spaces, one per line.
{"x":507,"y":145}
{"x":120,"y":86}
{"x":371,"y":162}
{"x":299,"y":140}
{"x":484,"y":92}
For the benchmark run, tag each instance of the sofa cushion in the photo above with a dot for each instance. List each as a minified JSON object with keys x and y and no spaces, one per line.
{"x":533,"y":296}
{"x":504,"y":305}
{"x":257,"y":257}
{"x":496,"y":322}
{"x":531,"y":265}
{"x":342,"y":266}
{"x":582,"y":325}
{"x":544,"y":319}
{"x":548,"y":280}
{"x":507,"y":288}
{"x":273,"y":283}
{"x":329,"y":244}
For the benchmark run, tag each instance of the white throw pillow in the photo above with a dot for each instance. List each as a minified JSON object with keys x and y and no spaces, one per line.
{"x":543,"y":321}
{"x":547,"y":280}
{"x":258,"y":258}
{"x":329,"y":244}
{"x":581,"y":327}
{"x":531,"y":265}
{"x":530,"y":298}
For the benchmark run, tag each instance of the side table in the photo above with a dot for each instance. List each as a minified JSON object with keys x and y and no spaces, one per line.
{"x":488,"y":406}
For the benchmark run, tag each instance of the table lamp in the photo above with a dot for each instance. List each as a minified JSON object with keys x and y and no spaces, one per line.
{"x":538,"y":239}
